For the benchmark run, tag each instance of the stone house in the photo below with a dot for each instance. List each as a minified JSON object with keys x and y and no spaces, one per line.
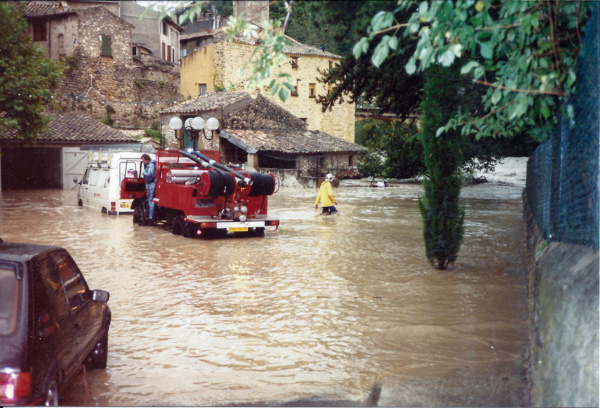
{"x":103,"y":78}
{"x":260,"y":135}
{"x":160,"y":38}
{"x":211,"y":64}
{"x":54,"y":158}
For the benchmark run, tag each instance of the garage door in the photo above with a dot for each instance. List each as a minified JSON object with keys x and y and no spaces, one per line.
{"x":74,"y":162}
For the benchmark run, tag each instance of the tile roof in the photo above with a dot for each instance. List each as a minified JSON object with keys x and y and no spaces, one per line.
{"x":75,"y":128}
{"x":291,"y":141}
{"x":208,"y":102}
{"x":36,"y":9}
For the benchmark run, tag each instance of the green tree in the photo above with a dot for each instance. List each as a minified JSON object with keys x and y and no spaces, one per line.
{"x":27,"y":77}
{"x":394,"y":150}
{"x":440,"y":209}
{"x":523,"y":52}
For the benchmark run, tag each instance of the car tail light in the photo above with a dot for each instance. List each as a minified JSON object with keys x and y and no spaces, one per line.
{"x":14,"y":385}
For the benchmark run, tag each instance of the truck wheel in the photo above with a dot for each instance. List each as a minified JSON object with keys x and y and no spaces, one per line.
{"x":189,"y":229}
{"x":138,"y":216}
{"x":259,"y":231}
{"x":177,"y":227}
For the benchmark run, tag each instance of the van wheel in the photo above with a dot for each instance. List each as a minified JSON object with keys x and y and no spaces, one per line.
{"x":99,"y":354}
{"x":51,"y":394}
{"x":189,"y":230}
{"x":177,"y":227}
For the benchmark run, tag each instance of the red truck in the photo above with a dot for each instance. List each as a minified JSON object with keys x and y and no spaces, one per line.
{"x":198,"y":196}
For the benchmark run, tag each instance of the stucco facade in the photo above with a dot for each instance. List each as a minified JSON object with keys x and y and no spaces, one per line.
{"x":215,"y":67}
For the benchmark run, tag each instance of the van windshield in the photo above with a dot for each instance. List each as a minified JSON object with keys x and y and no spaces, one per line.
{"x":10,"y":292}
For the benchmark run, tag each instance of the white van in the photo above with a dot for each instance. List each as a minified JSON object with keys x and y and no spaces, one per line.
{"x":105,"y":182}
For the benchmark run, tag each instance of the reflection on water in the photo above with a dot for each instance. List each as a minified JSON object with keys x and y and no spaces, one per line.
{"x":327,"y":306}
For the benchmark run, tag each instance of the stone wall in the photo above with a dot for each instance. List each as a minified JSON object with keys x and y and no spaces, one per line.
{"x":132,"y":91}
{"x":564,"y":320}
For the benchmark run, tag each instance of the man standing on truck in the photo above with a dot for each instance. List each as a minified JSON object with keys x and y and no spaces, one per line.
{"x":150,"y":177}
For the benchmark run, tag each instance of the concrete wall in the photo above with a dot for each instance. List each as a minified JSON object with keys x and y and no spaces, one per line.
{"x":564,"y":321}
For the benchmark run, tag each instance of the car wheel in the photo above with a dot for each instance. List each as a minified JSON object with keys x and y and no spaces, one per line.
{"x":177,"y":227}
{"x":189,"y":230}
{"x":51,"y":397}
{"x":99,"y":354}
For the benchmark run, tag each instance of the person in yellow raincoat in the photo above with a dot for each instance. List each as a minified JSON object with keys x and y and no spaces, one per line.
{"x":326,"y":196}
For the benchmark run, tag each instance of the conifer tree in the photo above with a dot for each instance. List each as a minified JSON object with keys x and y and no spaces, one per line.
{"x":440,"y":209}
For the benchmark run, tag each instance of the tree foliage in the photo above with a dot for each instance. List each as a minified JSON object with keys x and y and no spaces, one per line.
{"x":523,"y":52}
{"x":394,"y":150}
{"x":27,"y":77}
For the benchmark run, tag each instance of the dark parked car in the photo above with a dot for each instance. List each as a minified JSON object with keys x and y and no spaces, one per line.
{"x":50,"y":323}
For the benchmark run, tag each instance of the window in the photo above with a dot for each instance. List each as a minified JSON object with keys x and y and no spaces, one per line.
{"x":294,"y":62}
{"x":75,"y":286}
{"x":40,"y":31}
{"x":202,"y":89}
{"x":312,"y":90}
{"x":350,"y":160}
{"x":86,"y":177}
{"x":133,"y":50}
{"x":94,"y":177}
{"x":106,"y":46}
{"x":53,"y":288}
{"x":169,"y":53}
{"x":163,"y":51}
{"x":10,"y":292}
{"x":329,"y":88}
{"x":165,"y":28}
{"x":127,"y":169}
{"x":61,"y":45}
{"x":330,"y":64}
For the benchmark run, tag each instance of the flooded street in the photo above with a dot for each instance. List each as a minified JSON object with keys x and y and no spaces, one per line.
{"x":326,"y":306}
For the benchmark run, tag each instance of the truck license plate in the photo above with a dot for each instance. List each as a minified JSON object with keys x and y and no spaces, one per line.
{"x":125,"y":205}
{"x":237,"y":229}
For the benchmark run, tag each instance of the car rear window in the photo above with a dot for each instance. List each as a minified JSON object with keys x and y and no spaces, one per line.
{"x":10,"y":292}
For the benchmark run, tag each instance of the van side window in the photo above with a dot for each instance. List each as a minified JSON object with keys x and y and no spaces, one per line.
{"x":86,"y":177}
{"x":104,"y":179}
{"x":53,"y":288}
{"x":94,"y":177}
{"x":75,"y":286}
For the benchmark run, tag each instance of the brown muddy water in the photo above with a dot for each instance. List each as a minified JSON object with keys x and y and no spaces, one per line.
{"x":326,"y":307}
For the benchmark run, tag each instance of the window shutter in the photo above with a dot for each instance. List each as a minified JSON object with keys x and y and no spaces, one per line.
{"x":106,"y":46}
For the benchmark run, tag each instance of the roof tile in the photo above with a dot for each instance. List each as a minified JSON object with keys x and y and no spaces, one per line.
{"x":75,"y":127}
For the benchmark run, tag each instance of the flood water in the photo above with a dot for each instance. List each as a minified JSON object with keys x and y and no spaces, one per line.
{"x":326,"y":307}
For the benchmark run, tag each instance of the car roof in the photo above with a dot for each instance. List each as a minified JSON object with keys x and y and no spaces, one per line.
{"x":13,"y":251}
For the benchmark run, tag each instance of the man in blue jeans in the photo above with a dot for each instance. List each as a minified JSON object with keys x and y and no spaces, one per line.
{"x":150,"y":177}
